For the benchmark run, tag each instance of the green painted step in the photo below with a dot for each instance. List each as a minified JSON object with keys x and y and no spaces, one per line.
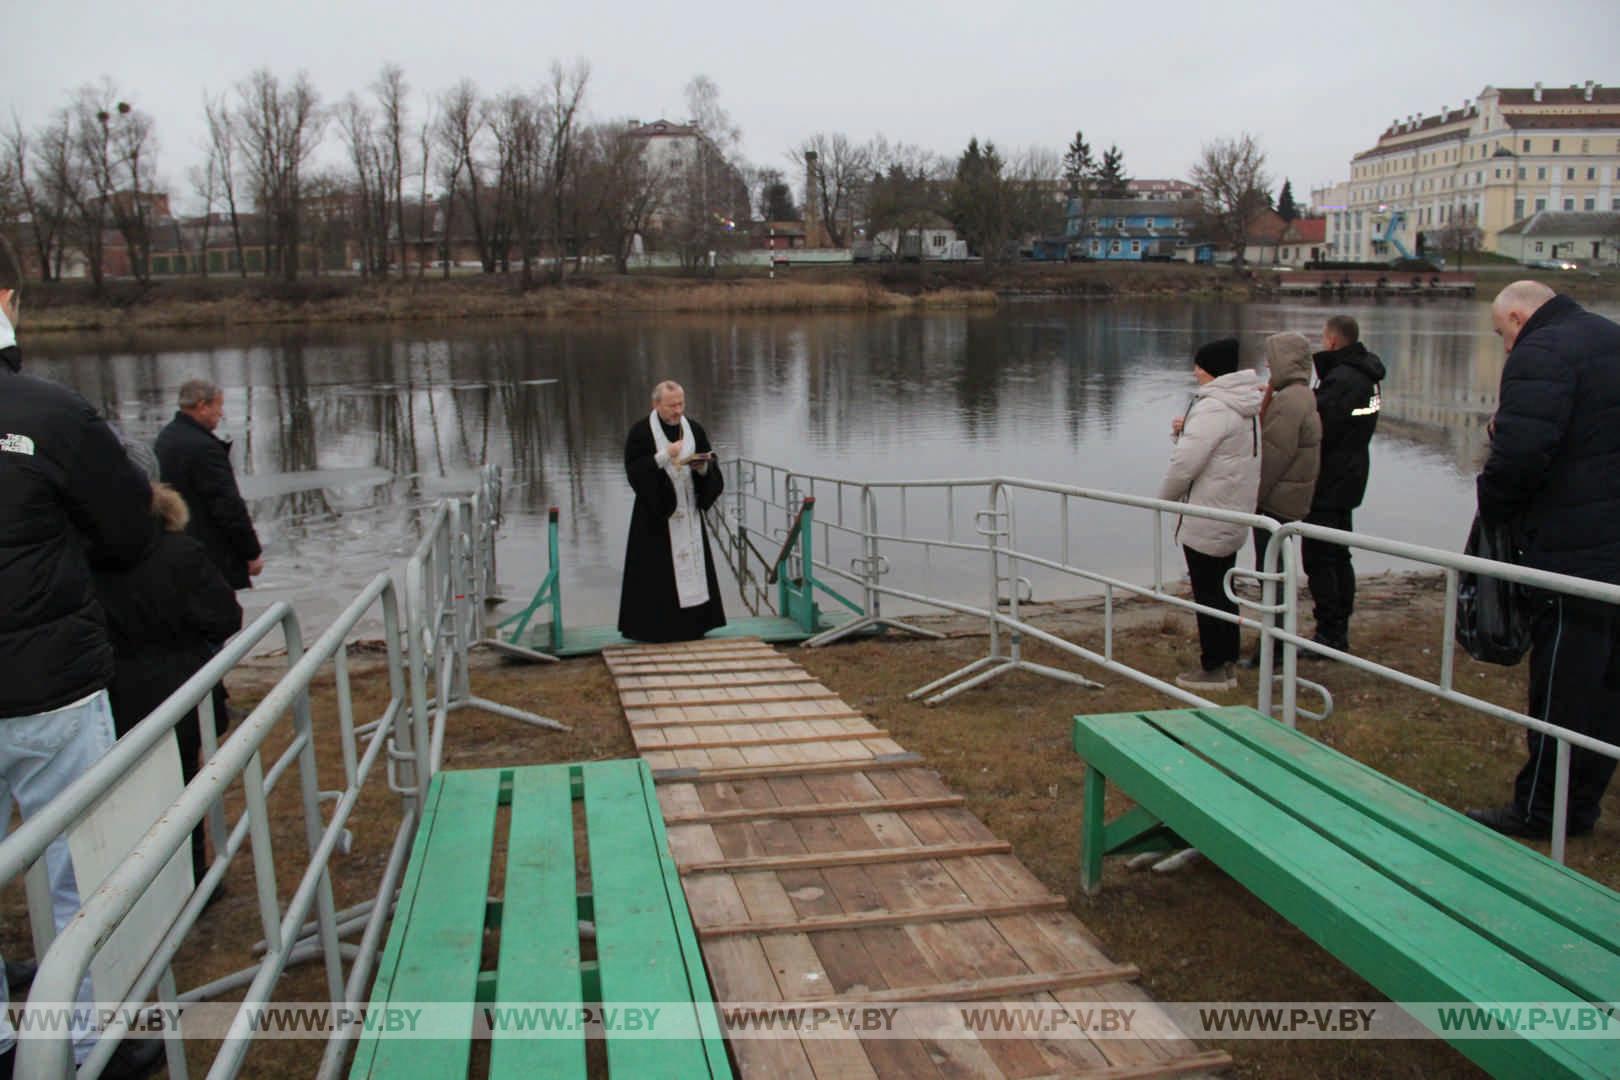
{"x":588,"y":640}
{"x":1339,"y":880}
{"x":647,"y":951}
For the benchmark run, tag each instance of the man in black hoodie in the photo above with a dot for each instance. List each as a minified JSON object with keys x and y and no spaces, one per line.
{"x":1554,"y":473}
{"x":1347,"y":399}
{"x":70,"y":500}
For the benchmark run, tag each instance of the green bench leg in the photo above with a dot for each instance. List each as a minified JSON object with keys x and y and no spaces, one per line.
{"x":1091,"y":831}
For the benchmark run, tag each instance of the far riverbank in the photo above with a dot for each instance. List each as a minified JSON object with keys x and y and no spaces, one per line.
{"x":222,"y":302}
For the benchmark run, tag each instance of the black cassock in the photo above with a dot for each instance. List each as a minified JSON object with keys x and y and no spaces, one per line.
{"x":649,"y":606}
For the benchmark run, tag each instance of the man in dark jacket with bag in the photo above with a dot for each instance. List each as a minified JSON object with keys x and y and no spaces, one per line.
{"x":1347,"y":400}
{"x":197,"y":464}
{"x":1553,"y":474}
{"x":70,"y":500}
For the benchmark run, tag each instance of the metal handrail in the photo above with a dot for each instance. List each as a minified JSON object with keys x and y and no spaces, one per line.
{"x":62,"y":968}
{"x":1278,"y":578}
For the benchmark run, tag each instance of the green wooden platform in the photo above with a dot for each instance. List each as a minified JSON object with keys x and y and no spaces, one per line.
{"x":587,"y":640}
{"x":645,"y":948}
{"x":1423,"y":903}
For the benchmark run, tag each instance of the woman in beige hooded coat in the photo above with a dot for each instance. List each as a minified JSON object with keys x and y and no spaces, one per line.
{"x":1290,"y":442}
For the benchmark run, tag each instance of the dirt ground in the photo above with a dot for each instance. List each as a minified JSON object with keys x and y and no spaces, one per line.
{"x":1196,"y":935}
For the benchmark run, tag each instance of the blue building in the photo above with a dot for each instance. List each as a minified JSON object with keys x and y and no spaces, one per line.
{"x":1129,"y":229}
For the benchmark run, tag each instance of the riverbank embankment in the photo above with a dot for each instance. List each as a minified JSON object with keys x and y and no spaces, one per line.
{"x":234,"y":301}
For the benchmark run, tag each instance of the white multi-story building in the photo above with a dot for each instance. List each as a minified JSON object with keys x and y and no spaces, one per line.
{"x":1504,"y":156}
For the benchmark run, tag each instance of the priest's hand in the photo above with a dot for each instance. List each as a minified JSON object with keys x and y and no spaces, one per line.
{"x":675,"y":450}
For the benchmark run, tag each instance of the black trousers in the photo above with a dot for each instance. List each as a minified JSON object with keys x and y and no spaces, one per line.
{"x":1574,"y":683}
{"x":1332,"y":578}
{"x":1217,"y":638}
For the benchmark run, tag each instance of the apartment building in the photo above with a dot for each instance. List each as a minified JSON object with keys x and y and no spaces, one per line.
{"x":1503,"y":157}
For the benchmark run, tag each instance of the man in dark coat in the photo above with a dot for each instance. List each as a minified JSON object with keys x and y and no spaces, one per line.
{"x":1554,"y":473}
{"x":70,"y":500}
{"x":670,"y":592}
{"x":1347,"y":400}
{"x":197,"y":464}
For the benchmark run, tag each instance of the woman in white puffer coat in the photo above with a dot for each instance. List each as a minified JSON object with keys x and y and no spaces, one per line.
{"x":1216,"y":463}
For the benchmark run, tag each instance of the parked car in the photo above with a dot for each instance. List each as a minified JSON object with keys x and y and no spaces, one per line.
{"x":1551,"y":264}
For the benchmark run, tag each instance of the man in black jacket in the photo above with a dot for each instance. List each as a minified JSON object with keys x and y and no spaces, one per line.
{"x":1554,"y":473}
{"x":70,"y":500}
{"x":1347,"y":399}
{"x":197,"y":464}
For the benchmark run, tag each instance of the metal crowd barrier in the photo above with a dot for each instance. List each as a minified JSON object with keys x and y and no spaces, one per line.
{"x":427,"y":640}
{"x":877,"y":520}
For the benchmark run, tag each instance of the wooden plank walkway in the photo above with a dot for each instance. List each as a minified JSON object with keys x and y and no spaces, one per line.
{"x":823,"y":863}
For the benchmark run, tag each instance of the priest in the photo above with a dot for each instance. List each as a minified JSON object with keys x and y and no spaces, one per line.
{"x":670,"y":592}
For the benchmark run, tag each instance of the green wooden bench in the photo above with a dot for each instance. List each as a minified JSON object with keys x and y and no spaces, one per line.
{"x":645,"y":947}
{"x":1423,"y":903}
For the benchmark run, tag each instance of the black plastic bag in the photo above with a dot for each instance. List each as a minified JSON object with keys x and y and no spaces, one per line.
{"x":1493,"y":616}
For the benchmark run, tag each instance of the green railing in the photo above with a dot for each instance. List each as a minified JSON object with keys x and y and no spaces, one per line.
{"x":549,"y":593}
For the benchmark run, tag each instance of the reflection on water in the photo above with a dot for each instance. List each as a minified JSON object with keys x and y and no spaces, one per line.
{"x":346,"y":436}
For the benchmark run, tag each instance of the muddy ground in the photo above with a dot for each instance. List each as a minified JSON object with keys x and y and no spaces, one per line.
{"x":1195,"y":934}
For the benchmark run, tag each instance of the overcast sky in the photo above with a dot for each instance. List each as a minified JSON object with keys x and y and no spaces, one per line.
{"x":1315,"y":82}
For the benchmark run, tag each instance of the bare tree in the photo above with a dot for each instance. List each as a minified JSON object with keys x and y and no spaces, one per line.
{"x":205,"y":185}
{"x":115,"y":146}
{"x":45,"y":218}
{"x":515,"y":122}
{"x":708,"y":194}
{"x":836,"y":170}
{"x":455,"y":130}
{"x":356,"y":128}
{"x":1459,"y":235}
{"x":68,"y":185}
{"x":625,"y":188}
{"x":280,"y":129}
{"x":1231,"y":176}
{"x":562,"y":101}
{"x":390,"y":90}
{"x":222,"y":159}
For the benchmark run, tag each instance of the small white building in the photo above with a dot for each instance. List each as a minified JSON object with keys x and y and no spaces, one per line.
{"x":1588,"y":237}
{"x":934,"y":241}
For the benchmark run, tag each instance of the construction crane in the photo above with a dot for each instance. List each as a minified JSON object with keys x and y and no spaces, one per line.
{"x":1395,"y":221}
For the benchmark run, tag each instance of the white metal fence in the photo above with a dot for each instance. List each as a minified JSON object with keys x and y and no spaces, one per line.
{"x":426,"y":640}
{"x":872,"y":530}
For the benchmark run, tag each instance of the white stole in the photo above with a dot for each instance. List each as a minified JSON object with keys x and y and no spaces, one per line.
{"x":685,"y":524}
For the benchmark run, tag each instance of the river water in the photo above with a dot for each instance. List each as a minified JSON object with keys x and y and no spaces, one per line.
{"x":343,"y":436}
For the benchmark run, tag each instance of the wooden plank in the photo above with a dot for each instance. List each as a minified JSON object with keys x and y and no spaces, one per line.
{"x":871,"y":856}
{"x":539,"y":950}
{"x":443,"y":929}
{"x":772,"y":740}
{"x":696,"y":976}
{"x":707,"y":776}
{"x":743,"y":696}
{"x":710,"y":817}
{"x":711,"y":721}
{"x":1546,"y":944}
{"x":886,"y":918}
{"x":638,"y":945}
{"x":382,"y":986}
{"x":708,"y":667}
{"x":793,"y":677}
{"x":990,"y":989}
{"x":1409,"y":951}
{"x":1203,"y":1061}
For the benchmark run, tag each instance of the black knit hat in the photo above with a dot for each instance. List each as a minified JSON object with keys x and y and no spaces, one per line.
{"x":1218,"y":357}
